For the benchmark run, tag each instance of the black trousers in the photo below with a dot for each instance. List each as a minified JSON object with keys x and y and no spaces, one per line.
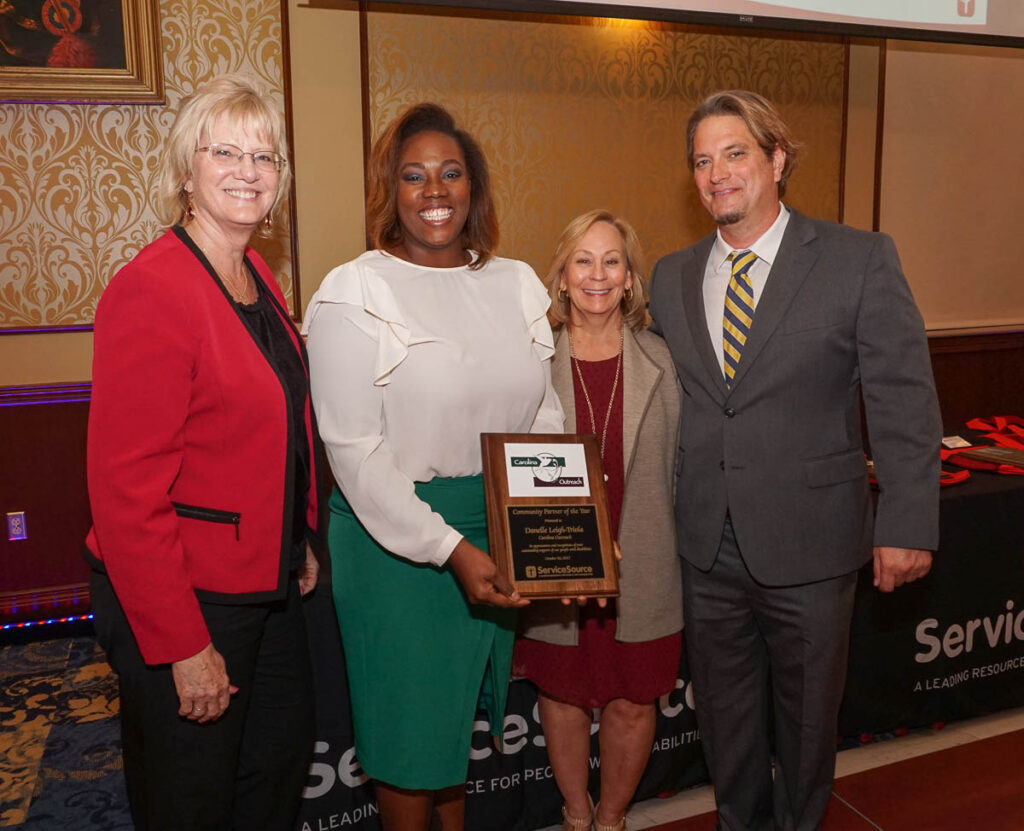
{"x":244,"y":771}
{"x":753,"y":647}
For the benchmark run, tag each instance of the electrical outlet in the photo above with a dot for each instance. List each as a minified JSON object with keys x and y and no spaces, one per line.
{"x":16,"y":528}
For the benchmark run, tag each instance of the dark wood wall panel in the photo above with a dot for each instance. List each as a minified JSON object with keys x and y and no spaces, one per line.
{"x":42,"y":472}
{"x":978,"y":375}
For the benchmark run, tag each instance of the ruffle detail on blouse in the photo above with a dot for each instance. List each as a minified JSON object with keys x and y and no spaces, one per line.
{"x":535,"y":310}
{"x":356,"y":286}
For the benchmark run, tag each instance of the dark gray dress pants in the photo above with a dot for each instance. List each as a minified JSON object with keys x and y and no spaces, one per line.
{"x":756,"y":653}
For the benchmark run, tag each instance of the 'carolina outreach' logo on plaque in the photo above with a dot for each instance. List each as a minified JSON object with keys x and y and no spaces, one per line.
{"x":547,"y":470}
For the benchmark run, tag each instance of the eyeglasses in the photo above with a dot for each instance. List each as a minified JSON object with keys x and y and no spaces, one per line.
{"x":227,"y":155}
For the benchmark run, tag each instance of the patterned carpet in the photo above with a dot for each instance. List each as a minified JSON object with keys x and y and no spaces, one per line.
{"x":60,"y":763}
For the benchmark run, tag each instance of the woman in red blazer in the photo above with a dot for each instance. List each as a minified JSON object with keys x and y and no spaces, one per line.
{"x":203,"y":487}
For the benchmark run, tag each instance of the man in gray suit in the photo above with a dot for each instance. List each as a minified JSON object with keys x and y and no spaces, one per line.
{"x":777,"y":325}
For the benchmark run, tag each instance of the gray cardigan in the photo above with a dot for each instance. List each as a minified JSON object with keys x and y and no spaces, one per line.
{"x":651,"y":601}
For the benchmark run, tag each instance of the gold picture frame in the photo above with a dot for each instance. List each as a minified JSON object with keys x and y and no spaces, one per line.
{"x":26,"y":79}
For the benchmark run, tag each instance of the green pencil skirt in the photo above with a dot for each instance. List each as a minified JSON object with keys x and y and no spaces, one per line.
{"x":419,"y":658}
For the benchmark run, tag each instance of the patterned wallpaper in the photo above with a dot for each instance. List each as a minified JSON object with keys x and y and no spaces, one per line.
{"x":573,"y":113}
{"x":77,"y":180}
{"x":582,"y":113}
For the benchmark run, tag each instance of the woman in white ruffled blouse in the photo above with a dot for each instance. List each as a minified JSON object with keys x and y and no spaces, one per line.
{"x":417,"y":347}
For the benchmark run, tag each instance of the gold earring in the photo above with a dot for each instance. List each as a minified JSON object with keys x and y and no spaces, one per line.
{"x":562,"y":296}
{"x":268,"y":223}
{"x":190,"y":208}
{"x":627,"y":295}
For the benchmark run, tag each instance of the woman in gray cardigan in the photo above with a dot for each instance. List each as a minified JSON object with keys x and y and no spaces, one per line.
{"x":617,"y":381}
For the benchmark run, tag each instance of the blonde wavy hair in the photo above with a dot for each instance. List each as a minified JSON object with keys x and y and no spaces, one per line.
{"x":241,"y":102}
{"x":634,"y":308}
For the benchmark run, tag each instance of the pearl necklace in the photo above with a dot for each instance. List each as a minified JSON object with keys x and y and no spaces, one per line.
{"x":586,"y":393}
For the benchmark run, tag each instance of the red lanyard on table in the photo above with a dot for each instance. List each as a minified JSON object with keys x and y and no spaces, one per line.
{"x":1004,"y":431}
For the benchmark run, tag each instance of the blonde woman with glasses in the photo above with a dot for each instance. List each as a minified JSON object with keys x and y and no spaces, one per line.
{"x":202,"y":483}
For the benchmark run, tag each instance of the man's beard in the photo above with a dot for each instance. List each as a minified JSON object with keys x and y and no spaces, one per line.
{"x":729,"y":218}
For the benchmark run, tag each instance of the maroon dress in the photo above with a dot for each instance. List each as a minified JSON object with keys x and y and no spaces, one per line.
{"x":600,"y":668}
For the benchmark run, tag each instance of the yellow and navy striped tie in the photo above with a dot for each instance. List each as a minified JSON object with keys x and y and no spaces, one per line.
{"x":739,"y":311}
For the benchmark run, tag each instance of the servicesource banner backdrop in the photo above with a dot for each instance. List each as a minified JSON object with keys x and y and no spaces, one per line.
{"x":950,"y":646}
{"x":507,"y":790}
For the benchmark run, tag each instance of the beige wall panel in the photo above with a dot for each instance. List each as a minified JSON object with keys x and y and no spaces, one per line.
{"x":952,"y":173}
{"x":327,"y":125}
{"x":577,"y":114}
{"x":78,"y":182}
{"x":861,"y":136}
{"x":51,"y":358}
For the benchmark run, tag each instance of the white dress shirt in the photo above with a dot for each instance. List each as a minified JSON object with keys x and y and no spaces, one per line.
{"x":718,"y":270}
{"x":408,"y":366}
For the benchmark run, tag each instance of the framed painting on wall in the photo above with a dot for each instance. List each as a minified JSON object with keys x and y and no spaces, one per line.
{"x":80,"y":51}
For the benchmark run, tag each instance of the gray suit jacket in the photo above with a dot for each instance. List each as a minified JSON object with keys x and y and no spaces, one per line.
{"x":651,"y":602}
{"x":782,"y":450}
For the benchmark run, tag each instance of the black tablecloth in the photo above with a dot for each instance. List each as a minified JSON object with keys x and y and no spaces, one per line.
{"x":510,"y":789}
{"x":911,"y":664}
{"x":950,"y":646}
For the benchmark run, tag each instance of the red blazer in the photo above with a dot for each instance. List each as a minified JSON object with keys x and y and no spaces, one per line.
{"x":190,"y":449}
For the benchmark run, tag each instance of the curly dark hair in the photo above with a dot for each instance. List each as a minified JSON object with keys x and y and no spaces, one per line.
{"x":480,"y":233}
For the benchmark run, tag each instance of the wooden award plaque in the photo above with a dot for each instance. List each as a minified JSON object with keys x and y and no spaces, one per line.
{"x":547,"y":514}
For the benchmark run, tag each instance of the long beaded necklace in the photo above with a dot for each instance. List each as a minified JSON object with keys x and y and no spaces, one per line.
{"x":586,"y":393}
